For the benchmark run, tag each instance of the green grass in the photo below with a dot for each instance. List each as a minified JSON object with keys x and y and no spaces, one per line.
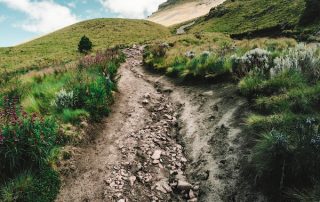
{"x":42,"y":186}
{"x":91,"y":99}
{"x":172,"y":59}
{"x":61,"y":46}
{"x":258,"y":18}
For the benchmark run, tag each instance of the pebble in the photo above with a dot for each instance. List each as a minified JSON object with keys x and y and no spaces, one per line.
{"x":132,"y":180}
{"x":183,"y":185}
{"x":156,"y":155}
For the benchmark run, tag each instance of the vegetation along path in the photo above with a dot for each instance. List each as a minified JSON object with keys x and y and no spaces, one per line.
{"x":162,"y":142}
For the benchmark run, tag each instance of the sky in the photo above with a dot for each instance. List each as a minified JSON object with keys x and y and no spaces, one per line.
{"x":22,"y":20}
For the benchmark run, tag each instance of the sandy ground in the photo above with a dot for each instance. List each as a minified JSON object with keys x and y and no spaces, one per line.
{"x":163,"y":141}
{"x":184,"y":12}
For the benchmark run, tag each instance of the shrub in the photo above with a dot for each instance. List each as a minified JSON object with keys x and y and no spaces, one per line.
{"x":25,"y":140}
{"x":254,"y":85}
{"x":290,"y":157}
{"x":93,"y":96}
{"x":85,"y":45}
{"x":64,"y":100}
{"x":257,"y":60}
{"x":303,"y":59}
{"x":17,"y":189}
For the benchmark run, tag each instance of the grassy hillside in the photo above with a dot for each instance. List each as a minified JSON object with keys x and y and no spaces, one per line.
{"x":261,"y":18}
{"x":61,"y":46}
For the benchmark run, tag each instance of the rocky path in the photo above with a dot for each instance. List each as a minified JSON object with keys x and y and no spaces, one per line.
{"x":162,"y":142}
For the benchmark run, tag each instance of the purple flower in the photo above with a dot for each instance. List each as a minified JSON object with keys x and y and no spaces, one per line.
{"x":1,"y":139}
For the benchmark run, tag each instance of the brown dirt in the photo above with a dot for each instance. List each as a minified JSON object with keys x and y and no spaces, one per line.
{"x":162,"y":142}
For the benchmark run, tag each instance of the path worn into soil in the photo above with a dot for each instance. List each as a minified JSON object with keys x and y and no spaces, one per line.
{"x":162,"y":142}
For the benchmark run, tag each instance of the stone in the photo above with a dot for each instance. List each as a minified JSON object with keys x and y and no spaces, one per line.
{"x":184,"y":160}
{"x":167,"y":187}
{"x":191,"y":194}
{"x":156,"y":155}
{"x":167,"y":90}
{"x":196,"y":188}
{"x":160,"y":188}
{"x":208,"y":93}
{"x":145,"y":102}
{"x":156,"y":161}
{"x":193,"y":200}
{"x":183,"y":185}
{"x":132,"y":180}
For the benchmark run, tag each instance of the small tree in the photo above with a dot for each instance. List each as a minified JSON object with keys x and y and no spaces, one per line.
{"x":85,"y":45}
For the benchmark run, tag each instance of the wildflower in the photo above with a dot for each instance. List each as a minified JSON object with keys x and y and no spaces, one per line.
{"x":1,"y":138}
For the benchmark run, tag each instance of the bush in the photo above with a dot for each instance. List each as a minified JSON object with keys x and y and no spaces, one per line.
{"x":39,"y":186}
{"x":290,"y":157}
{"x":25,"y":140}
{"x":254,"y":85}
{"x":17,"y":189}
{"x":64,"y":100}
{"x":256,"y":60}
{"x":85,"y":45}
{"x":303,"y":59}
{"x":94,"y":96}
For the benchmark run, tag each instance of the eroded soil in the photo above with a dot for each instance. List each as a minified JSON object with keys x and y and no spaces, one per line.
{"x":162,"y":142}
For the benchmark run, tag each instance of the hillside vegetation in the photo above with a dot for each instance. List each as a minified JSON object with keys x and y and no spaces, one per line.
{"x":61,"y":46}
{"x":40,"y":115}
{"x":280,"y":78}
{"x":243,"y":18}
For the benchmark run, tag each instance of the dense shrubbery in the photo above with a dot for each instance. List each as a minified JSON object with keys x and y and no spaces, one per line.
{"x":286,"y":154}
{"x":283,"y":83}
{"x":257,"y":60}
{"x":27,"y":139}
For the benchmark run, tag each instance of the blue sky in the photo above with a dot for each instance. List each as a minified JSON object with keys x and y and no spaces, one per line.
{"x":22,"y":20}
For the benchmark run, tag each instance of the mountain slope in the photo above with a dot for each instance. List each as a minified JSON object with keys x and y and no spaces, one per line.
{"x":178,"y":11}
{"x":261,"y":18}
{"x":61,"y":46}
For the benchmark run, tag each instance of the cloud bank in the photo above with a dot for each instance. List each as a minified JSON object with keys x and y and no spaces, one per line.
{"x":132,"y":8}
{"x":43,"y":16}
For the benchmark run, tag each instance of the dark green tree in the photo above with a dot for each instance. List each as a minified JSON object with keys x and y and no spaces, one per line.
{"x":85,"y":45}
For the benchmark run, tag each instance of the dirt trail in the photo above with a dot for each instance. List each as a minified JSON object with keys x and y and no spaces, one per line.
{"x":162,"y":142}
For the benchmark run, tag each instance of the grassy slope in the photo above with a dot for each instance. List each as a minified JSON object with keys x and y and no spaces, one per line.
{"x":61,"y":46}
{"x":257,"y":17}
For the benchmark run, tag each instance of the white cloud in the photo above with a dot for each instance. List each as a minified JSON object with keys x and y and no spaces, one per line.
{"x":43,"y":16}
{"x":132,"y":8}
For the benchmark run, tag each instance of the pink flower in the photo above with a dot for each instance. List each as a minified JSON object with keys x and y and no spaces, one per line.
{"x":1,"y":139}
